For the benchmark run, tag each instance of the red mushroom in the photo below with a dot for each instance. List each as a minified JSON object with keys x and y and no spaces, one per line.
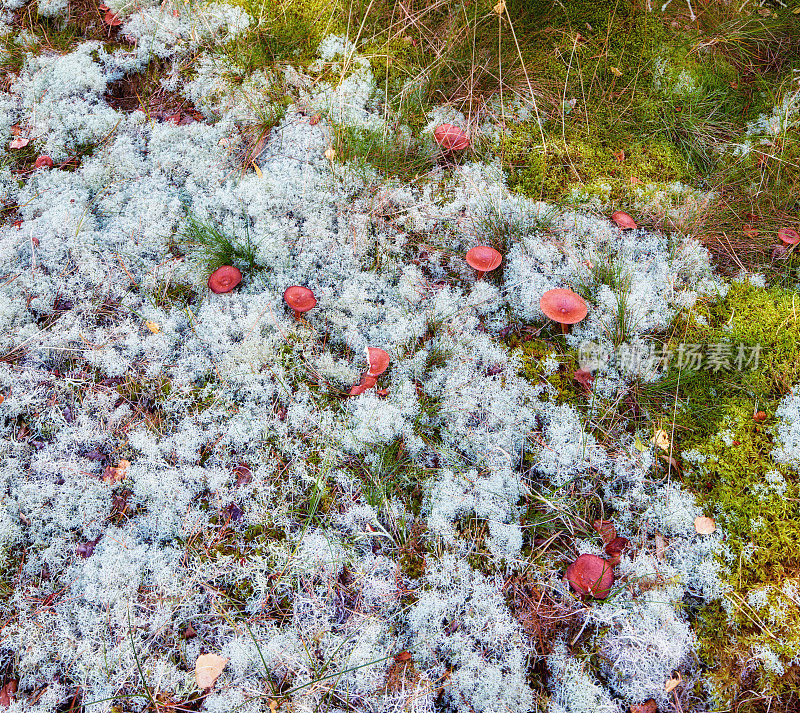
{"x":623,"y":220}
{"x":591,"y":575}
{"x":224,"y":279}
{"x":789,"y":236}
{"x":300,"y":299}
{"x":378,"y":361}
{"x":450,"y":137}
{"x":43,"y":162}
{"x":482,"y":259}
{"x":563,"y":306}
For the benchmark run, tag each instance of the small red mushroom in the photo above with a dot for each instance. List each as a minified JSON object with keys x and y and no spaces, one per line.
{"x":300,"y":299}
{"x":43,"y":162}
{"x":378,"y":361}
{"x":789,"y":236}
{"x":563,"y":306}
{"x":623,"y":220}
{"x":450,"y":137}
{"x":482,"y":259}
{"x":591,"y":575}
{"x":224,"y":279}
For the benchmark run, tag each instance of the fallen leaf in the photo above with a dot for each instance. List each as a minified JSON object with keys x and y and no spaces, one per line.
{"x":750,"y":231}
{"x":16,"y":130}
{"x":759,"y":416}
{"x":661,"y":439}
{"x":671,"y":461}
{"x":7,"y":693}
{"x":257,"y":170}
{"x":243,"y":474}
{"x":111,"y":19}
{"x":207,"y":669}
{"x":273,"y":705}
{"x":499,"y":9}
{"x":636,"y":181}
{"x":606,"y":530}
{"x":189,"y":632}
{"x":672,"y":683}
{"x":403,"y":656}
{"x":704,"y":525}
{"x":2,"y":398}
{"x":152,"y":326}
{"x":649,"y":706}
{"x":315,"y":119}
{"x":114,"y":475}
{"x":616,"y":72}
{"x":619,"y":155}
{"x":19,"y":143}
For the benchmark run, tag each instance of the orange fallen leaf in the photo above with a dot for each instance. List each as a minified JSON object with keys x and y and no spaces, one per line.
{"x":154,"y":327}
{"x":19,"y":143}
{"x":403,"y":656}
{"x":704,"y":525}
{"x":207,"y":669}
{"x":116,"y":475}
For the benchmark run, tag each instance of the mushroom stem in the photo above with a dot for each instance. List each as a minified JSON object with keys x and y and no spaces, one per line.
{"x":479,"y":274}
{"x":297,"y":315}
{"x":564,"y":328}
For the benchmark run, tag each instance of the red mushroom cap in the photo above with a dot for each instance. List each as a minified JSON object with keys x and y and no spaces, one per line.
{"x":563,"y":306}
{"x":483,"y":258}
{"x":450,"y":137}
{"x":623,"y":220}
{"x":43,"y":162}
{"x":378,"y":361}
{"x":300,"y":299}
{"x":224,"y":279}
{"x":590,"y":574}
{"x":789,"y":236}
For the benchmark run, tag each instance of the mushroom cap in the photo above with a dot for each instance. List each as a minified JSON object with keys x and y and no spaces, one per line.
{"x":563,"y":306}
{"x":224,"y":279}
{"x":617,"y":546}
{"x":483,"y":258}
{"x":43,"y":162}
{"x":450,"y":137}
{"x":300,"y":299}
{"x":623,"y":220}
{"x":789,"y":236}
{"x":378,"y":361}
{"x":590,"y":574}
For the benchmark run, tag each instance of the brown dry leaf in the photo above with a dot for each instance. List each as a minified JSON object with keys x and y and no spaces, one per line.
{"x":672,"y":683}
{"x":19,"y":143}
{"x":403,"y":656}
{"x":152,"y":326}
{"x":619,"y":155}
{"x":207,"y":669}
{"x":116,"y":475}
{"x":649,"y":706}
{"x":16,"y":130}
{"x":750,"y":231}
{"x":606,"y":530}
{"x":273,"y":705}
{"x":636,"y":181}
{"x":661,"y":546}
{"x":499,"y":9}
{"x":616,"y":72}
{"x":257,"y":170}
{"x":704,"y":525}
